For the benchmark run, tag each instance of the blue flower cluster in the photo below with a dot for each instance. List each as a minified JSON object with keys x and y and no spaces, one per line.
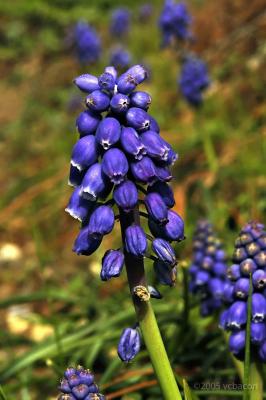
{"x":87,"y":43}
{"x":119,"y":150}
{"x":208,"y":269}
{"x":249,"y":260}
{"x":78,"y":384}
{"x":120,"y":58}
{"x":145,"y":12}
{"x":193,"y":79}
{"x":120,"y":22}
{"x":174,"y":22}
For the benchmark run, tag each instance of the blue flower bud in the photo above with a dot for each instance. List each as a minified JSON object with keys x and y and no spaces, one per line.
{"x":174,"y":229}
{"x":154,"y":293}
{"x":119,"y":103}
{"x":156,"y":208}
{"x":219,"y":268}
{"x":154,"y":126}
{"x":132,"y":143}
{"x":165,"y":274}
{"x":247,"y":266}
{"x":84,"y":153}
{"x":126,"y":195}
{"x":94,"y":183}
{"x":216,"y":288}
{"x":112,"y":264}
{"x":129,"y":344}
{"x":87,"y":83}
{"x":233,"y":272}
{"x":69,"y":372}
{"x":237,"y":342}
{"x":237,"y":315}
{"x":262,"y":352}
{"x":258,"y":307}
{"x":164,"y":174}
{"x":156,"y":147}
{"x":126,"y":83}
{"x":257,"y":332}
{"x":120,"y":57}
{"x":74,"y":380}
{"x":164,"y":251}
{"x":252,"y":249}
{"x":209,"y":305}
{"x":78,"y":207}
{"x":259,"y":279}
{"x":260,"y":259}
{"x":140,"y":100}
{"x":138,"y":119}
{"x":241,"y":288}
{"x":144,"y":170}
{"x":87,"y":122}
{"x":111,"y":70}
{"x":172,"y":157}
{"x":98,"y":101}
{"x":135,"y":240}
{"x":223,"y":320}
{"x":85,"y":244}
{"x":115,"y":165}
{"x":101,"y":222}
{"x":80,"y":391}
{"x":108,"y":132}
{"x":239,"y":255}
{"x":207,"y":262}
{"x":64,"y":386}
{"x":107,"y":81}
{"x":138,"y":73}
{"x":120,"y":22}
{"x":228,"y":294}
{"x":262,"y":241}
{"x":220,"y":255}
{"x":164,"y":191}
{"x":86,"y":377}
{"x":202,"y":278}
{"x":75,"y":176}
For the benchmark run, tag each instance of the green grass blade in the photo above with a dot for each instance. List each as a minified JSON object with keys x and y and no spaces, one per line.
{"x":187,"y":392}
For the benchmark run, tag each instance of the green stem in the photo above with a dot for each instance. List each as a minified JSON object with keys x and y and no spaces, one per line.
{"x":146,"y":317}
{"x":2,"y":394}
{"x":256,"y":392}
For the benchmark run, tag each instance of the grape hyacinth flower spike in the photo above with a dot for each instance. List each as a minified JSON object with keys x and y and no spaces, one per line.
{"x":120,"y":22}
{"x":87,"y":43}
{"x":121,"y":174}
{"x":208,"y":269}
{"x":249,"y":259}
{"x":78,"y":384}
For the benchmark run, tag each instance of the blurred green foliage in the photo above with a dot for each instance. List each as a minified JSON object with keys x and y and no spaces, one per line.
{"x":48,"y":291}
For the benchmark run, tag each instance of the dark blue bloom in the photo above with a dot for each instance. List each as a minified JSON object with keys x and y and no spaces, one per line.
{"x":112,"y":264}
{"x":78,"y":207}
{"x":165,"y":274}
{"x":107,"y":82}
{"x":144,"y":170}
{"x":257,"y":332}
{"x":259,"y":279}
{"x":132,"y":143}
{"x":239,"y":255}
{"x":156,"y":208}
{"x":98,"y":101}
{"x":193,"y":80}
{"x":87,"y":43}
{"x":120,"y":103}
{"x":108,"y":132}
{"x":164,"y":251}
{"x":258,"y":307}
{"x":140,"y":100}
{"x":120,"y":21}
{"x":233,"y":272}
{"x":164,"y":174}
{"x":126,"y":195}
{"x":154,"y":126}
{"x":84,"y":152}
{"x":115,"y":165}
{"x":248,"y":266}
{"x":216,"y":287}
{"x":87,"y":83}
{"x":94,"y":183}
{"x":237,"y":315}
{"x":138,"y":119}
{"x":174,"y":22}
{"x":174,"y":228}
{"x":262,"y":352}
{"x":86,"y":244}
{"x":260,"y":259}
{"x":241,"y":288}
{"x":77,"y":384}
{"x":87,"y":122}
{"x":129,"y":344}
{"x":75,"y":176}
{"x":154,"y":293}
{"x":101,"y":221}
{"x":237,"y":342}
{"x":164,"y":191}
{"x":135,"y":241}
{"x":120,"y":58}
{"x":128,"y":81}
{"x":156,"y":147}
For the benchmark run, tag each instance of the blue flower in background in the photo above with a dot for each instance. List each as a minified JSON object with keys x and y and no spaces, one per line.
{"x":174,"y":22}
{"x":120,"y":22}
{"x":145,"y":12}
{"x":193,"y":80}
{"x":87,"y":43}
{"x":120,"y":58}
{"x":78,"y":383}
{"x":249,"y":259}
{"x":208,"y":269}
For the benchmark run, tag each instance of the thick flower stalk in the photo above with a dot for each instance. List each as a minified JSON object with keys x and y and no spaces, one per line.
{"x":87,"y":43}
{"x":193,"y":80}
{"x":249,"y":260}
{"x":174,"y":22}
{"x":208,"y":269}
{"x":78,"y":384}
{"x":120,"y":22}
{"x":122,"y":163}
